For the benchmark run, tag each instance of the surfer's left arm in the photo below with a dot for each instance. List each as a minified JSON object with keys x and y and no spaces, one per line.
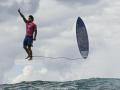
{"x":35,"y":33}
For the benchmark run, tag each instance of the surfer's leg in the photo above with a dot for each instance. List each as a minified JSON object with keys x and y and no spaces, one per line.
{"x":30,"y":52}
{"x":27,"y":51}
{"x":29,"y":43}
{"x":25,"y":46}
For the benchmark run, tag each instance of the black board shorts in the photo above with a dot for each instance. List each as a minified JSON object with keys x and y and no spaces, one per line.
{"x":28,"y":41}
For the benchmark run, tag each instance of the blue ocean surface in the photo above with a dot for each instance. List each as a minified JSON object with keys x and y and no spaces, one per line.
{"x":83,"y":84}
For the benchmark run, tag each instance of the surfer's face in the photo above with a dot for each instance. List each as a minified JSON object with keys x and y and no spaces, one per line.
{"x":30,"y":19}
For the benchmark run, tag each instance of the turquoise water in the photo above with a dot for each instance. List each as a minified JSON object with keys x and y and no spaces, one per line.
{"x":84,"y":84}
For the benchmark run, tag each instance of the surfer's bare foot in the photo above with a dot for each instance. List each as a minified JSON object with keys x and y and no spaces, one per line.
{"x":27,"y":57}
{"x":30,"y":58}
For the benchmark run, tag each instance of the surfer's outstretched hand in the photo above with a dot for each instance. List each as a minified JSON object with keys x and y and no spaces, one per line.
{"x":19,"y":10}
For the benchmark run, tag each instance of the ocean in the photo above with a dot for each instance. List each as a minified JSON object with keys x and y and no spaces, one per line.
{"x":83,"y":84}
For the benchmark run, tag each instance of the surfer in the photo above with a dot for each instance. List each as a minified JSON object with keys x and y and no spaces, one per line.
{"x":31,"y":33}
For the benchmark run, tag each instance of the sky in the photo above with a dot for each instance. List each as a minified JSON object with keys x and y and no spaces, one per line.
{"x":56,"y":37}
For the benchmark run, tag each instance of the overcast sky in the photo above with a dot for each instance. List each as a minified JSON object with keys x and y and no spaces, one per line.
{"x":55,"y":21}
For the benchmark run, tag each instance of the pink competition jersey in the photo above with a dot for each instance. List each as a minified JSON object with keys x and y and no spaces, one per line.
{"x":30,"y":27}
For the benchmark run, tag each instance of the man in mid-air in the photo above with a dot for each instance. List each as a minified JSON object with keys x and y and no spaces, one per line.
{"x":31,"y":32}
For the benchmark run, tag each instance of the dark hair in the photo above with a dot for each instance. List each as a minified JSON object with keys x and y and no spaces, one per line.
{"x":31,"y":17}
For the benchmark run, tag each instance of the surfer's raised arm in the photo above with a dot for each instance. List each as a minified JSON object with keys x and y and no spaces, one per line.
{"x":22,"y":15}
